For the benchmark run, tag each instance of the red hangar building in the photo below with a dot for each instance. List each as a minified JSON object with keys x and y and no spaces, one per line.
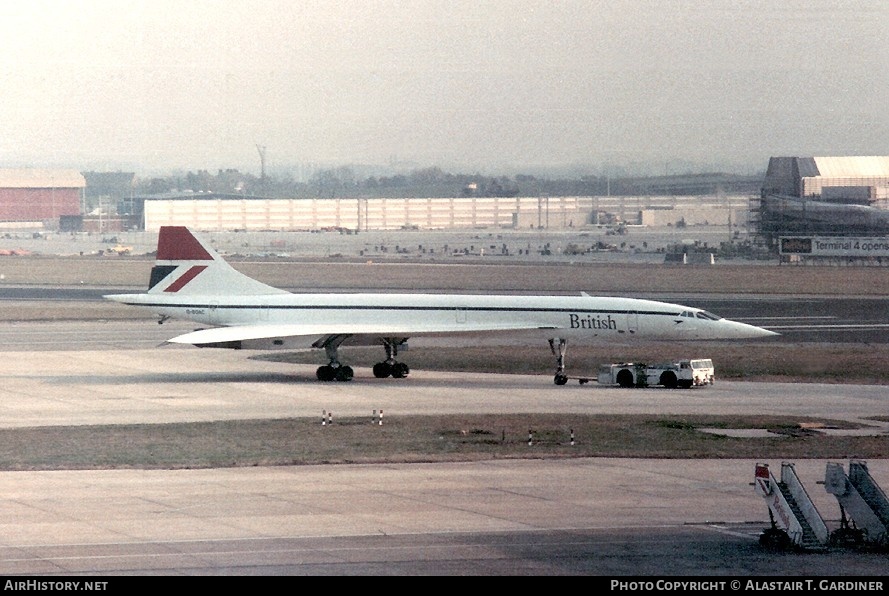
{"x":40,"y":196}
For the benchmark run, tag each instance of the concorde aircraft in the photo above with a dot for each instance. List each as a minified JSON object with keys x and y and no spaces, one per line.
{"x":191,"y":280}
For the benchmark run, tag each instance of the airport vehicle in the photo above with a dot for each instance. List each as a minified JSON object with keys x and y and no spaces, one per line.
{"x":191,"y":280}
{"x":680,"y":373}
{"x":120,"y":249}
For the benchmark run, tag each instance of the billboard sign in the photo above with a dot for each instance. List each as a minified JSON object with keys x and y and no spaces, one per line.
{"x":834,"y":246}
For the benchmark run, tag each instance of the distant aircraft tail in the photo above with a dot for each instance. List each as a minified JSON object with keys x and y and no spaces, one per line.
{"x":187,"y":265}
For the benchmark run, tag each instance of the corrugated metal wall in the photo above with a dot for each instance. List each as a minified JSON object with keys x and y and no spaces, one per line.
{"x":879,"y":185}
{"x":396,"y":213}
{"x":311,"y":214}
{"x":38,"y":204}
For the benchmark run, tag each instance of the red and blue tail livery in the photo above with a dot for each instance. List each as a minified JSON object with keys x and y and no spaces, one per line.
{"x":185,"y":265}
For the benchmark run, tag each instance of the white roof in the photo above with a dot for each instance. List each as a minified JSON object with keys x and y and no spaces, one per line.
{"x":853,"y":167}
{"x":31,"y":178}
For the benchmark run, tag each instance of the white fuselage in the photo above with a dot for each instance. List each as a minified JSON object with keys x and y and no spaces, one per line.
{"x":571,"y":317}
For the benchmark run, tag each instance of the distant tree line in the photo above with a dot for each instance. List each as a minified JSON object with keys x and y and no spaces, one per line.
{"x":343,"y":182}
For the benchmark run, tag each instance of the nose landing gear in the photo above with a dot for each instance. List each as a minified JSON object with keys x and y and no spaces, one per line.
{"x":559,"y":346}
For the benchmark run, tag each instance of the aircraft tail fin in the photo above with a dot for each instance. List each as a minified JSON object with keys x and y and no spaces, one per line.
{"x":186,"y":265}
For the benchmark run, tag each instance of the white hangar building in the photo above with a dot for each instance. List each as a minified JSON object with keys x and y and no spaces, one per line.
{"x":850,"y":180}
{"x":214,"y":212}
{"x":823,"y":196}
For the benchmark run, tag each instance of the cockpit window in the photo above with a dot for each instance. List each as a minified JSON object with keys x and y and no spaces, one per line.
{"x":703,"y":314}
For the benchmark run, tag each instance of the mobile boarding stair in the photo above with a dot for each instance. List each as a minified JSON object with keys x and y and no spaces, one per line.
{"x":796,"y":522}
{"x":862,"y":499}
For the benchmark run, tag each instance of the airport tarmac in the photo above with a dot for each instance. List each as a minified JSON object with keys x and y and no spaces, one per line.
{"x":639,"y":245}
{"x":589,"y":516}
{"x":601,"y":517}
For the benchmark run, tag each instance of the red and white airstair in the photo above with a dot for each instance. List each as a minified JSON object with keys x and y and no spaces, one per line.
{"x":863,"y":501}
{"x":795,"y":519}
{"x":796,"y":523}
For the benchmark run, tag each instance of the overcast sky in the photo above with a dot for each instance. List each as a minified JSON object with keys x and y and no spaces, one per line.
{"x":481,"y":85}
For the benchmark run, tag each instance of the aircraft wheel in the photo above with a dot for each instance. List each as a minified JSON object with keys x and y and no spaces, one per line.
{"x":344,"y":373}
{"x":560,"y":379}
{"x":325,"y":373}
{"x":382,"y":370}
{"x":400,"y":370}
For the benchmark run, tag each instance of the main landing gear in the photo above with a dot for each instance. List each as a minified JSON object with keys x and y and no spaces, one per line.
{"x":559,"y":346}
{"x":335,"y":371}
{"x":329,"y":372}
{"x":390,"y":367}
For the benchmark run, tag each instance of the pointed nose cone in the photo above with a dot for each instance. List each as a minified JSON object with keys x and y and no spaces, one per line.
{"x":745,"y":331}
{"x":760,"y":332}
